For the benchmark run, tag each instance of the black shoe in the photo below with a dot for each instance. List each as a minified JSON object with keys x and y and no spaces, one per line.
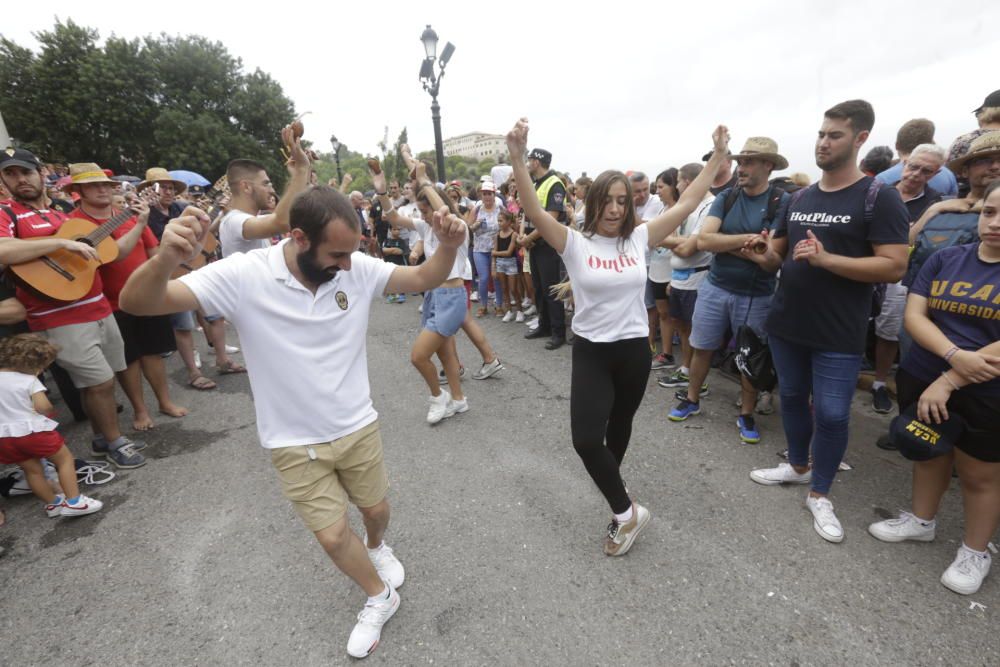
{"x":538,"y":333}
{"x":885,"y":442}
{"x":881,"y":402}
{"x":555,"y":343}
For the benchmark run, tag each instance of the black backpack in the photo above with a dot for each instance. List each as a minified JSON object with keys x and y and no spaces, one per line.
{"x":774,"y":194}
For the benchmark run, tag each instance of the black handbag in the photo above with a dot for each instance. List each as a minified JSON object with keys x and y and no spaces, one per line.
{"x":753,"y":357}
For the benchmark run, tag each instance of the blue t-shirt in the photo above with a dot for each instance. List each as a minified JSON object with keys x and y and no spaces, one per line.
{"x":817,"y":308}
{"x":963,"y":300}
{"x":735,"y":274}
{"x":944,"y":181}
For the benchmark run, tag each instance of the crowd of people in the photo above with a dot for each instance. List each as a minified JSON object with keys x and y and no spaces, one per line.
{"x":795,"y":287}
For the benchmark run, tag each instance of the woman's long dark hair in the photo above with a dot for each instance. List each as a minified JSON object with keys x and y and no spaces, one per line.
{"x":595,"y":203}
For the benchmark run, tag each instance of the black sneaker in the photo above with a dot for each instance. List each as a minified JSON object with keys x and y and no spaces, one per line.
{"x":682,"y":394}
{"x":443,"y":379}
{"x":881,"y":402}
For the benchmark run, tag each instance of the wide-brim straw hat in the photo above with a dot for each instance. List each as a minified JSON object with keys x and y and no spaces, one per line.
{"x":160,"y":175}
{"x":86,"y":172}
{"x":985,"y":145}
{"x":762,"y":148}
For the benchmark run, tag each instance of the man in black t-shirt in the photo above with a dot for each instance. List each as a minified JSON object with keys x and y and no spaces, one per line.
{"x":546,"y":266}
{"x":838,"y":238}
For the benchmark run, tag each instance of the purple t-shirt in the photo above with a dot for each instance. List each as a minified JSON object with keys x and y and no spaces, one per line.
{"x":963,"y":300}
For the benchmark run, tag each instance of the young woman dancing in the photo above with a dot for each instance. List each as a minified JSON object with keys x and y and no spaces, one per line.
{"x":611,"y":358}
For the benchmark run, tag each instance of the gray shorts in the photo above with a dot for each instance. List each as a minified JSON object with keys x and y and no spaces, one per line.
{"x":91,"y":353}
{"x":507,"y":266}
{"x":890,"y":319}
{"x":717,"y":311}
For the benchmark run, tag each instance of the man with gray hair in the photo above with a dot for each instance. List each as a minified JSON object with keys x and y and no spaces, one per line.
{"x":913,"y":133}
{"x":922,"y":165}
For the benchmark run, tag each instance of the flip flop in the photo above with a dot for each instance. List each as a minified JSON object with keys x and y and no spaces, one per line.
{"x":202,"y":383}
{"x":230,"y":368}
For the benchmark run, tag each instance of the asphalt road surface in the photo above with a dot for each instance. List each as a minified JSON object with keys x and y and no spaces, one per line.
{"x":197,"y":559}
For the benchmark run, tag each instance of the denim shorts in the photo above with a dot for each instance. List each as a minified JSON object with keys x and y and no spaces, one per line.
{"x":718,"y":310}
{"x":184,"y":321}
{"x":444,"y":310}
{"x":507,"y":266}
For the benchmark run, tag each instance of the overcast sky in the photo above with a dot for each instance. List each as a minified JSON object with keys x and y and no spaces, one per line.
{"x":630,"y":86}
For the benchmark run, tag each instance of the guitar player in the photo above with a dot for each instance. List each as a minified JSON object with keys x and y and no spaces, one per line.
{"x":91,"y":348}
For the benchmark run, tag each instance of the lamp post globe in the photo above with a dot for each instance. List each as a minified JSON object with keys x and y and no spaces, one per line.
{"x":430,"y":40}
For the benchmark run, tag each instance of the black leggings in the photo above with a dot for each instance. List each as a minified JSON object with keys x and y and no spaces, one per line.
{"x":608,"y":383}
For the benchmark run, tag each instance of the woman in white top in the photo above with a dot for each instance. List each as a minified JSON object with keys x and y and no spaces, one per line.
{"x":611,"y":357}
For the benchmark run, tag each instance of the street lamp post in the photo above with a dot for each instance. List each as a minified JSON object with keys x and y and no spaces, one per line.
{"x":336,"y":156}
{"x":432,"y":84}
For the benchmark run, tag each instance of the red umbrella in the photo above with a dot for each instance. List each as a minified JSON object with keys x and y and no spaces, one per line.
{"x":64,"y":181}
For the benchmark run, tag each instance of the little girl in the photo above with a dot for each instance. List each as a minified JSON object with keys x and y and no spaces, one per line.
{"x":26,"y":435}
{"x":504,"y":247}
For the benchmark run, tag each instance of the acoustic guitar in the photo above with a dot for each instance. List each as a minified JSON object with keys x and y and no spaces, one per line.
{"x":66,"y":276}
{"x":209,"y":202}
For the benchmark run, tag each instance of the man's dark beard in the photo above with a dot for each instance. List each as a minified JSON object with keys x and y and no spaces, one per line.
{"x":312,"y":271}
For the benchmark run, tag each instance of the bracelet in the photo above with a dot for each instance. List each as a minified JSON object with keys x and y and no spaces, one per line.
{"x":954,"y":386}
{"x":381,"y":194}
{"x":950,"y":353}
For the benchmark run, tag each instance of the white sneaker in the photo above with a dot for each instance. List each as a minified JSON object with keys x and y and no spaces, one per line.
{"x":197,"y":359}
{"x":530,"y":310}
{"x":532,"y":323}
{"x":420,"y":308}
{"x":783,"y":474}
{"x":474,"y":297}
{"x":825,"y":522}
{"x":488,"y":370}
{"x":441,"y":407}
{"x":54,"y":508}
{"x":519,"y":317}
{"x":365,"y":635}
{"x":906,"y":527}
{"x":525,"y":302}
{"x":458,"y":407}
{"x":965,"y":575}
{"x":508,"y":316}
{"x":83,"y":505}
{"x":231,"y":349}
{"x":387,"y":565}
{"x":765,"y":403}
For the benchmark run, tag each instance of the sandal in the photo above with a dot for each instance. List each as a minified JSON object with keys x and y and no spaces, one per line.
{"x":229,"y":368}
{"x":481,"y":311}
{"x":202,"y":383}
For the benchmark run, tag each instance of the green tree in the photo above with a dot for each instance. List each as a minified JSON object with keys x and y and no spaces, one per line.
{"x":175,"y":102}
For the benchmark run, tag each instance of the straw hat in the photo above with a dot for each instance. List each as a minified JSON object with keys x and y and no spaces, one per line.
{"x":762,"y":148}
{"x":985,"y":145}
{"x":160,"y":175}
{"x":86,"y":172}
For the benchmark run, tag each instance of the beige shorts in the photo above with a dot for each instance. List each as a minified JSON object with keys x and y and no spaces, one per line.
{"x":321,"y":484}
{"x":91,"y":352}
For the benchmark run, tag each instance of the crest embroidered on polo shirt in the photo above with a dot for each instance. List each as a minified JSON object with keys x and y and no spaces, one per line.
{"x":341,"y":300}
{"x":10,"y":152}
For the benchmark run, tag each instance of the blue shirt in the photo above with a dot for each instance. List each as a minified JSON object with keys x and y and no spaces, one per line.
{"x":963,"y":301}
{"x":817,"y":308}
{"x":735,"y":274}
{"x":944,"y":181}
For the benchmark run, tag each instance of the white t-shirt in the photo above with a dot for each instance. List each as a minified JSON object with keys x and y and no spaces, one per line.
{"x":411,"y":211}
{"x":462,"y":269}
{"x":661,"y":256}
{"x":231,"y":234}
{"x":500,"y":173}
{"x":691,"y":226}
{"x":609,"y":282}
{"x":305,"y":354}
{"x":17,"y":412}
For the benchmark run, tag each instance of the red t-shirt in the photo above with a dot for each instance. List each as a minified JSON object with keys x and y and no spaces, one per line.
{"x":45,"y":313}
{"x":115,"y":274}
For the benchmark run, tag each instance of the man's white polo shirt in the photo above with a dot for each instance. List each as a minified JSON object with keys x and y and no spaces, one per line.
{"x":306,"y":355}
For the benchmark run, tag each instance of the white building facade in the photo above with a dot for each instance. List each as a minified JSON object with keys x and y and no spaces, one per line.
{"x":478,"y":145}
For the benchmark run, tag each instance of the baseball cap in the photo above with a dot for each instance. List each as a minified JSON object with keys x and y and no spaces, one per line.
{"x":541,"y":155}
{"x":919,"y":441}
{"x":18,"y":157}
{"x":992,"y":100}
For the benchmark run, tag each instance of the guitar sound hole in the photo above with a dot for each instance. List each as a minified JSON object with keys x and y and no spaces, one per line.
{"x":84,"y":239}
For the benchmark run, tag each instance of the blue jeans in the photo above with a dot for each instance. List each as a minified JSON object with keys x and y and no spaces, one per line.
{"x":830,"y":379}
{"x":484,"y":262}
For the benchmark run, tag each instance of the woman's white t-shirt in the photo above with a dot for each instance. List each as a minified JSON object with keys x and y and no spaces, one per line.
{"x":609,"y":282}
{"x":17,"y":412}
{"x":462,"y":268}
